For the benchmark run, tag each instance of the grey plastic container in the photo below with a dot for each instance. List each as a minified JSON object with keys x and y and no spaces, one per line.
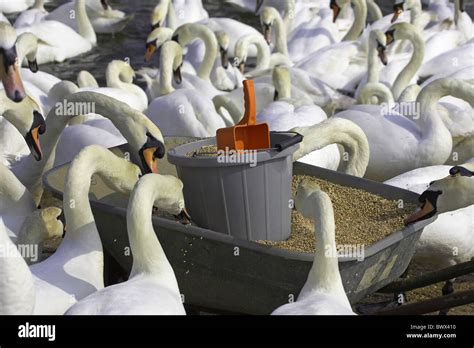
{"x":250,"y":203}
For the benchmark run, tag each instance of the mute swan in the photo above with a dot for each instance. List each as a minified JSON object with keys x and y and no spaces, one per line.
{"x":9,"y":67}
{"x":17,"y":293}
{"x":75,"y":270}
{"x":283,"y":115}
{"x":453,"y":192}
{"x":451,"y":198}
{"x":323,"y":292}
{"x":26,"y":117}
{"x":265,"y":60}
{"x":152,"y":288}
{"x":341,"y":65}
{"x":182,"y":112}
{"x":398,"y":144}
{"x":59,"y":42}
{"x":174,"y":13}
{"x":119,"y":78}
{"x":223,"y":75}
{"x":311,"y":37}
{"x":104,"y":19}
{"x":142,"y":135}
{"x":435,"y":246}
{"x":39,"y":226}
{"x":399,"y":72}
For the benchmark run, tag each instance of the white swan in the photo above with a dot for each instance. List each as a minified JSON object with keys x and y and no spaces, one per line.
{"x":152,"y":288}
{"x":182,"y":112}
{"x":285,"y":114}
{"x":341,"y":65}
{"x":119,"y":79}
{"x":265,"y":59}
{"x":173,"y":13}
{"x":59,"y":42}
{"x":398,"y":144}
{"x":451,"y":198}
{"x":304,"y":40}
{"x":75,"y":270}
{"x":323,"y":293}
{"x":142,"y":135}
{"x":435,"y":246}
{"x":337,"y":131}
{"x":20,"y":128}
{"x":104,"y":19}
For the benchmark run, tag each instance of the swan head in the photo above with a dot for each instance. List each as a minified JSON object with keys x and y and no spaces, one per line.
{"x":267,"y":19}
{"x":152,"y":150}
{"x":28,"y":43}
{"x":170,"y":198}
{"x":155,"y":39}
{"x":403,"y":5}
{"x":306,"y":191}
{"x":30,"y":124}
{"x":119,"y":174}
{"x":9,"y":64}
{"x":282,"y":81}
{"x":379,"y":41}
{"x":223,"y":41}
{"x":44,"y":224}
{"x":241,"y":51}
{"x":398,"y":31}
{"x":453,"y":192}
{"x":123,"y":69}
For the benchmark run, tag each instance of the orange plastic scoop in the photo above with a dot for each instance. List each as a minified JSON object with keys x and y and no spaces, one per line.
{"x":247,"y":134}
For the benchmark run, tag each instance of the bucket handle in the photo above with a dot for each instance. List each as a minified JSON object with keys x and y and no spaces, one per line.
{"x":283,"y":145}
{"x":250,"y":115}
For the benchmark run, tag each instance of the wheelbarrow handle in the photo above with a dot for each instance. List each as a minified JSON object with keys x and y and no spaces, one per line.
{"x":250,"y":115}
{"x":296,"y":139}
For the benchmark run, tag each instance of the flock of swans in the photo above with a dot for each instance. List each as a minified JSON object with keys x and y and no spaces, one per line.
{"x":395,"y":91}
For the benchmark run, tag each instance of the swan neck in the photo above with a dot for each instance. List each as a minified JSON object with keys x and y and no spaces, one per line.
{"x":170,"y":54}
{"x":360,"y":17}
{"x":416,"y":60}
{"x":337,"y":131}
{"x":324,"y":275}
{"x":281,"y":44}
{"x":263,"y":52}
{"x":148,"y":254}
{"x":84,"y":25}
{"x":211,"y":50}
{"x":373,"y":61}
{"x":374,"y":11}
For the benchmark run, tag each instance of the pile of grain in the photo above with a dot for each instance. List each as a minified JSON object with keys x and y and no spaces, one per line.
{"x":361,"y":217}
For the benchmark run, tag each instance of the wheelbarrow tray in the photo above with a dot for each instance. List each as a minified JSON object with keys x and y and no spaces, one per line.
{"x":222,"y":273}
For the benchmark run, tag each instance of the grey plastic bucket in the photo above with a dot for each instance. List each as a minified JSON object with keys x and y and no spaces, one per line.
{"x":251,"y":200}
